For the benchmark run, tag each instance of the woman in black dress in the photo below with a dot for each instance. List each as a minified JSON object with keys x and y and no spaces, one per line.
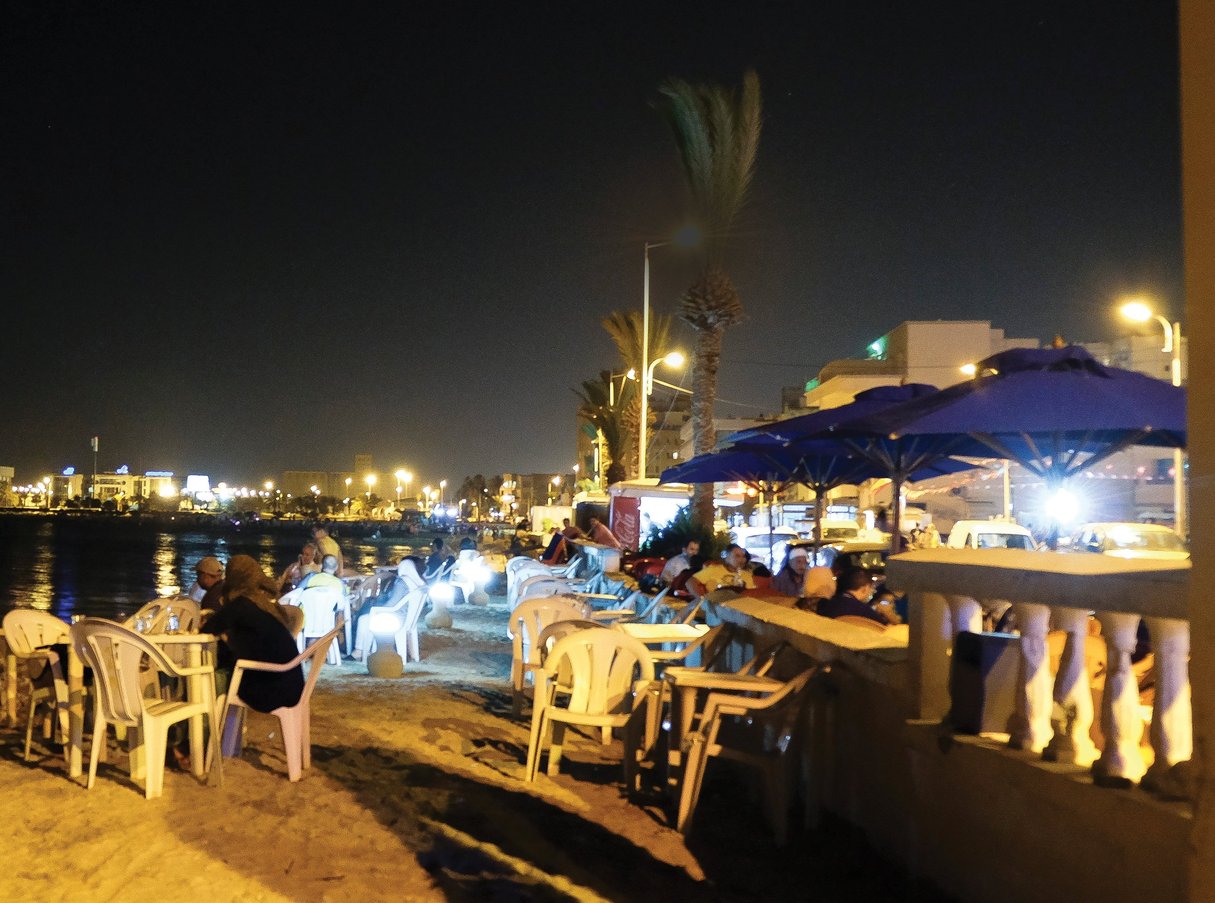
{"x":252,"y":625}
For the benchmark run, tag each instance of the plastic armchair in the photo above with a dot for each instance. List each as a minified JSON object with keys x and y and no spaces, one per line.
{"x":776,"y":716}
{"x":527,"y":622}
{"x":295,"y":721}
{"x":30,"y":634}
{"x":154,"y":617}
{"x":860,"y":621}
{"x":551,"y":635}
{"x":321,"y":605}
{"x":409,"y":610}
{"x":611,"y":685}
{"x":115,"y":654}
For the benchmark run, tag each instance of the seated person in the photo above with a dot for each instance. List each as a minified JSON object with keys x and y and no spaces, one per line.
{"x":468,"y":543}
{"x":253,"y":625}
{"x":556,"y":552}
{"x":791,"y":578}
{"x":303,"y":565}
{"x":600,"y":533}
{"x":680,"y":563}
{"x":327,"y":576}
{"x":570,"y":531}
{"x":679,"y":586}
{"x":852,"y":597}
{"x":408,"y":578}
{"x":208,"y":582}
{"x":730,"y":572}
{"x":435,"y":560}
{"x":818,"y":587}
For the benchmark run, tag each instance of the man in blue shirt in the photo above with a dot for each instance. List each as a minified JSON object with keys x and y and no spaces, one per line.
{"x":854,"y":590}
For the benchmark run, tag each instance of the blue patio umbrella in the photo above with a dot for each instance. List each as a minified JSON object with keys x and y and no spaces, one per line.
{"x":822,"y":466}
{"x":1055,"y":411}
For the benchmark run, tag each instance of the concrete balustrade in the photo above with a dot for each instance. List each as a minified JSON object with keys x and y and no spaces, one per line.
{"x":1052,"y":716}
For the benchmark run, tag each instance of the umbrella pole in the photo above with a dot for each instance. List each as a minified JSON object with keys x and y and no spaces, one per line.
{"x":818,"y":514}
{"x":896,"y":504}
{"x":771,"y":527}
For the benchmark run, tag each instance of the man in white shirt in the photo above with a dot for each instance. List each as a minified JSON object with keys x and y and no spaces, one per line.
{"x":680,"y":563}
{"x":208,"y":572}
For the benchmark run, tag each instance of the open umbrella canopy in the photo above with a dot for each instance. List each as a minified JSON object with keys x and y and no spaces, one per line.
{"x":1053,"y":410}
{"x":819,"y":423}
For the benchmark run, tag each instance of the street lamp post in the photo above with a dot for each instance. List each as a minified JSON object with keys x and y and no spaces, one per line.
{"x":1139,"y":312}
{"x":442,"y":491}
{"x":674,"y":359}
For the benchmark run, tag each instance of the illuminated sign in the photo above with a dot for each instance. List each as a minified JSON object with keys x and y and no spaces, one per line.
{"x":159,"y":473}
{"x":69,"y":471}
{"x":123,"y":471}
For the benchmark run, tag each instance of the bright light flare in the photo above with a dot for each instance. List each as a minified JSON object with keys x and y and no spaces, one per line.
{"x":674,"y":359}
{"x":1063,"y":507}
{"x":969,"y":369}
{"x":1136,"y":311}
{"x":385,"y":622}
{"x":442,"y":593}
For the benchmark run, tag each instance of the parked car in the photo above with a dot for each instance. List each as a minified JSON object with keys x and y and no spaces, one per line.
{"x":756,"y":541}
{"x":989,"y":534}
{"x":1128,"y":540}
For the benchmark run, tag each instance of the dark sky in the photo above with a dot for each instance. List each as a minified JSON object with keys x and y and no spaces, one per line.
{"x":246,"y":238}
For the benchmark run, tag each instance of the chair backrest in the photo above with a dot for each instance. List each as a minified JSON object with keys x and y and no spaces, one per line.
{"x":28,"y":631}
{"x":541,"y":588}
{"x":688,"y":615}
{"x":314,"y":655}
{"x":319,"y":605}
{"x":602,"y":667}
{"x":528,"y":621}
{"x":559,"y":630}
{"x":115,"y":654}
{"x":412,"y":605}
{"x":858,"y":621}
{"x":785,"y":709}
{"x":154,"y":616}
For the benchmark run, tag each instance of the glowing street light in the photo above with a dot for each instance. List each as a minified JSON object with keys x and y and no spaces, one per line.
{"x":1138,"y":311}
{"x":442,"y":487}
{"x":673,"y":360}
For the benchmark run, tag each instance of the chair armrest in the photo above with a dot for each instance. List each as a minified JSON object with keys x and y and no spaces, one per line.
{"x":246,"y":664}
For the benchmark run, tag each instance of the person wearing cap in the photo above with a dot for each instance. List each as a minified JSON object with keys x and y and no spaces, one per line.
{"x":791,"y":578}
{"x":327,"y":545}
{"x":208,"y":574}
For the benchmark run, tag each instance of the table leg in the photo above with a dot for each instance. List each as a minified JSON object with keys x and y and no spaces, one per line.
{"x":10,"y":685}
{"x":194,"y":693}
{"x":75,"y":678}
{"x":683,"y":707}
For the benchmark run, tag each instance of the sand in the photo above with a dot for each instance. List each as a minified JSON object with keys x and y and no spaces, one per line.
{"x":415,"y":793}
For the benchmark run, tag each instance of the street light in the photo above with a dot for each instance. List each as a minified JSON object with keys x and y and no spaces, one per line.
{"x":442,"y":487}
{"x":1138,"y":311}
{"x":673,"y":359}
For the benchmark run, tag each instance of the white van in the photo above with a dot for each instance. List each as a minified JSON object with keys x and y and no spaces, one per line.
{"x":755,"y":540}
{"x":989,"y":534}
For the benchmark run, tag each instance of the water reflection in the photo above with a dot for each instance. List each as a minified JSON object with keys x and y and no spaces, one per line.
{"x":109,"y":568}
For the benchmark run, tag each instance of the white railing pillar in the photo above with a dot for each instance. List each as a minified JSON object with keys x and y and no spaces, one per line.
{"x":1121,"y":761}
{"x":1072,"y":716}
{"x":1029,"y":727}
{"x":930,"y":645}
{"x":1172,"y":732}
{"x":965,"y":614}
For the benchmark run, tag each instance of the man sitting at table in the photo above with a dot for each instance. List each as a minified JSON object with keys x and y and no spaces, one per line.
{"x":729,"y":573}
{"x":677,"y":565}
{"x":327,"y":545}
{"x":209,"y":575}
{"x":600,"y":533}
{"x":326,"y":577}
{"x":854,"y":591}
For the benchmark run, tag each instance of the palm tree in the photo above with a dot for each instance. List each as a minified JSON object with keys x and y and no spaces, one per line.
{"x":717,"y":134}
{"x":626,"y":331}
{"x":598,"y":411}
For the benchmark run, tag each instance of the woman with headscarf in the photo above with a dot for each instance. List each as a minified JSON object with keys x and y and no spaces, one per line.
{"x":819,"y":584}
{"x":252,"y":625}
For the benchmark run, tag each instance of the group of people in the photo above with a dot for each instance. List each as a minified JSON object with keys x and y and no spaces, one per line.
{"x":819,"y":589}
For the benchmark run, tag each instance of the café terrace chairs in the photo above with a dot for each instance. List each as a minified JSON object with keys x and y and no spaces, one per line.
{"x":766,"y":732}
{"x":320,"y":606}
{"x":295,"y":721}
{"x":30,"y":634}
{"x":527,"y":623}
{"x":399,"y":620}
{"x":611,"y":685}
{"x":859,"y":621}
{"x":116,"y":655}
{"x":156,"y":616}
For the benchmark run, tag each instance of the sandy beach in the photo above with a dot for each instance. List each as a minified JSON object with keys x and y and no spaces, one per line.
{"x":415,"y":793}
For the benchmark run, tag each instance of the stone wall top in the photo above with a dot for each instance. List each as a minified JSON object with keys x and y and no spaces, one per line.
{"x":1080,"y":580}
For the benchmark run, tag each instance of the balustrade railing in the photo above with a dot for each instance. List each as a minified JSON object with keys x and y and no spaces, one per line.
{"x":952,"y":588}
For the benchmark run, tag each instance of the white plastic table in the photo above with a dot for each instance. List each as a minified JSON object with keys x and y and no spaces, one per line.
{"x":189,"y":646}
{"x":660,"y":634}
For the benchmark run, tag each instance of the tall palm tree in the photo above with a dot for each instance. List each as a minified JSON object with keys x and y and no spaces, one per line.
{"x":626,"y":332}
{"x":596,"y":409}
{"x":717,"y":134}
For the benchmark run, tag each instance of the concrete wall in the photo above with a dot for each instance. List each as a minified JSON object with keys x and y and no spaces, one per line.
{"x":979,"y":820}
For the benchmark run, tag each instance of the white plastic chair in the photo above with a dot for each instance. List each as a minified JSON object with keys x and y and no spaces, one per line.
{"x":409,"y":608}
{"x":526,"y":624}
{"x":771,"y":723}
{"x":320,"y":606}
{"x":116,"y":655}
{"x":30,"y":634}
{"x":295,"y":721}
{"x":609,"y":674}
{"x":154,"y":616}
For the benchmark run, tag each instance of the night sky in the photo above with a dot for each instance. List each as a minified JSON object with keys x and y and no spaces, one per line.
{"x":246,"y":238}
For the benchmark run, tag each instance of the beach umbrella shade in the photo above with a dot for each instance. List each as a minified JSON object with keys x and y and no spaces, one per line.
{"x":1055,"y":411}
